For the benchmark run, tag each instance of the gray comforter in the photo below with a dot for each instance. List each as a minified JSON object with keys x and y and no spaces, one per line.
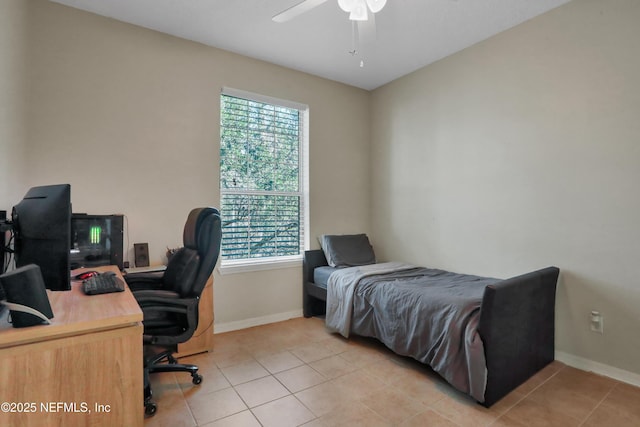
{"x":430,"y":315}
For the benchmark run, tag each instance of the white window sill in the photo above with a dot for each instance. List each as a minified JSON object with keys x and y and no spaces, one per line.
{"x":245,"y":266}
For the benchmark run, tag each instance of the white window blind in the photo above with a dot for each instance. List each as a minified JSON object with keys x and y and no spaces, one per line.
{"x":262,"y":181}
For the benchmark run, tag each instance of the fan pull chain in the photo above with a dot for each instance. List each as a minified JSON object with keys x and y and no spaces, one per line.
{"x":355,"y":41}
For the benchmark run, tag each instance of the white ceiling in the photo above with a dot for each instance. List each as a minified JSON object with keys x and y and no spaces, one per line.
{"x":409,"y":33}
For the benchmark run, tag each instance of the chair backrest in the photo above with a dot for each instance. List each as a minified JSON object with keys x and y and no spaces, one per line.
{"x":190,"y":267}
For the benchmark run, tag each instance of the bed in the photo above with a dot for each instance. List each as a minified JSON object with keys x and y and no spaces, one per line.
{"x":485,"y":336}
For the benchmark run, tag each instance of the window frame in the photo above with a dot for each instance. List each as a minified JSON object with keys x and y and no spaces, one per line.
{"x":232,"y":266}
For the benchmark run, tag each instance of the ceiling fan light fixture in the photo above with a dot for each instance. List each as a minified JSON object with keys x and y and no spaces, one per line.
{"x":359,"y":11}
{"x":347,"y":5}
{"x":376,"y":5}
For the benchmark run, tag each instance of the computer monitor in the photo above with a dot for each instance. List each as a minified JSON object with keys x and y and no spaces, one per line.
{"x":42,"y":229}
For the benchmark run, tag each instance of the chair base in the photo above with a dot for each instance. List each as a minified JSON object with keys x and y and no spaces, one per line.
{"x":154,"y":365}
{"x":150,"y":406}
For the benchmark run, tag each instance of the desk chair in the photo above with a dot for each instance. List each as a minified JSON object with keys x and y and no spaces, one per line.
{"x":169,"y":300}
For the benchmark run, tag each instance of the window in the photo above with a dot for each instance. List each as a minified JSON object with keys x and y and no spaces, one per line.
{"x":262,"y":177}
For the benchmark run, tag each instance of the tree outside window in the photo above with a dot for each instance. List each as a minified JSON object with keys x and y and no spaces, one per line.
{"x":261,"y":179}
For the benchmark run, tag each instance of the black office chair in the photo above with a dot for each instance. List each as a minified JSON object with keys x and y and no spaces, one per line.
{"x":169,"y":300}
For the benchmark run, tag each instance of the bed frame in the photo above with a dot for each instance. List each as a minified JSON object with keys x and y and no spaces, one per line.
{"x":517,"y":323}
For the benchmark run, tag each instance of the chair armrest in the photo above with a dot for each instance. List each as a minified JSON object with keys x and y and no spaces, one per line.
{"x":144,"y":281}
{"x":149,"y":294}
{"x":159,"y":307}
{"x":165,"y":301}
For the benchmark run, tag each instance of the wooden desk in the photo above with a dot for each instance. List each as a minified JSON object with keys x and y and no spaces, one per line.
{"x":83,"y":369}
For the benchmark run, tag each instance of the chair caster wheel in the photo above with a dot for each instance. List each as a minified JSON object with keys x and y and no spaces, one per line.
{"x":197,"y":379}
{"x":150,"y":409}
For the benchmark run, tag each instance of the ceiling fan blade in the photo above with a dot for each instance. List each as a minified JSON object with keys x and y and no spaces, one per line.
{"x":296,"y":10}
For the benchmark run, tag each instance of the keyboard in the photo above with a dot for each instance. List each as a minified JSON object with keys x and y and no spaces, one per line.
{"x":103,"y":284}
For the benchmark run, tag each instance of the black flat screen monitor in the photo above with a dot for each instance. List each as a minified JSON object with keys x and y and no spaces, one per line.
{"x":42,"y":227}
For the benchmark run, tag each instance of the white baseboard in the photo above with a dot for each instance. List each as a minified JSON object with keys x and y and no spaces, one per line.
{"x":255,"y":321}
{"x":598,"y":368}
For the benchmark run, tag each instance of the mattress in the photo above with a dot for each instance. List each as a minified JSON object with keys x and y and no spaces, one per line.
{"x":321,"y":275}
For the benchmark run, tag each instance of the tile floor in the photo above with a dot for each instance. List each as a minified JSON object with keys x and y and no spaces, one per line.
{"x":294,"y":373}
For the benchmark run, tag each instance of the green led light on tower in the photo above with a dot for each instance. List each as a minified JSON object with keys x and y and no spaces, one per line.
{"x":94,"y":234}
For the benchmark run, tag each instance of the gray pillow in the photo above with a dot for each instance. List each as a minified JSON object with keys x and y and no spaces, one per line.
{"x":347,"y":250}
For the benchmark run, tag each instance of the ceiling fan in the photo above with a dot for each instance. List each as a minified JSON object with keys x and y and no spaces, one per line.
{"x":358,"y":9}
{"x":363,"y":21}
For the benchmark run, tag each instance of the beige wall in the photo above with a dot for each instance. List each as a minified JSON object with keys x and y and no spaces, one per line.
{"x":520,"y":152}
{"x":13,"y":94}
{"x":130,"y":117}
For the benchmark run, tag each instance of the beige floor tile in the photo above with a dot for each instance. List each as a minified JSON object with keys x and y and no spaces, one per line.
{"x":392,"y":405}
{"x":621,"y":407}
{"x":212,"y":380}
{"x":300,"y":378}
{"x":314,"y":351}
{"x":334,"y":377}
{"x":227,"y":341}
{"x":532,"y":413}
{"x":313,"y":328}
{"x":606,"y":415}
{"x":214,"y":406}
{"x":205,"y":362}
{"x":506,"y":403}
{"x":337,"y":342}
{"x":260,"y":391}
{"x":358,"y":384}
{"x":352,"y":415}
{"x":244,"y":372}
{"x":391,"y":370}
{"x":333,"y":367}
{"x":324,"y":398}
{"x":170,"y":413}
{"x":287,"y":343}
{"x":225,"y":359}
{"x":540,"y":377}
{"x":262,"y":346}
{"x":505,"y":421}
{"x":362,"y":356}
{"x":241,"y":419}
{"x":586,"y":383}
{"x":428,"y":418}
{"x":464,"y":412}
{"x":278,"y":362}
{"x":162,"y":378}
{"x":172,"y":409}
{"x":284,"y":412}
{"x":164,"y":386}
{"x":561,"y":396}
{"x":422,"y":388}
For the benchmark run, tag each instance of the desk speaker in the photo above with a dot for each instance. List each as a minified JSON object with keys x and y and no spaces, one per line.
{"x":26,"y":296}
{"x":141,"y":253}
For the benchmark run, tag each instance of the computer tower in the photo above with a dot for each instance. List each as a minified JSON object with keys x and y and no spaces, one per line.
{"x":96,"y":240}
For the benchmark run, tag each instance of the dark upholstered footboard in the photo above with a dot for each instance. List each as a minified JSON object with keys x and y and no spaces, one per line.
{"x":517,"y":324}
{"x":313,"y":297}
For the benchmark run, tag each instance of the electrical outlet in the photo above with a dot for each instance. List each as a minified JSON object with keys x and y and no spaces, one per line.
{"x":597,"y":322}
